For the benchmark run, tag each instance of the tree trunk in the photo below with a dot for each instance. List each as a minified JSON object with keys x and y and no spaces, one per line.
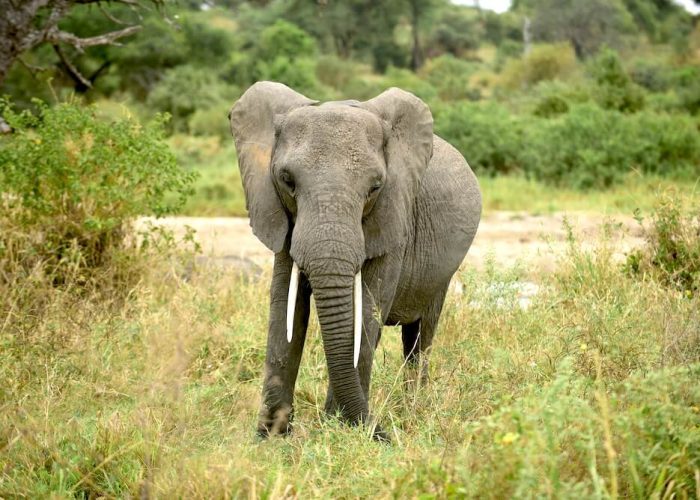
{"x":417,"y":53}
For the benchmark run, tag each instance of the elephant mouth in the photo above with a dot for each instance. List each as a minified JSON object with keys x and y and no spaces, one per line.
{"x":357,"y":304}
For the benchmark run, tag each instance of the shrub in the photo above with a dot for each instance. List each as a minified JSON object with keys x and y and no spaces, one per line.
{"x":186,"y":89}
{"x":71,"y":184}
{"x":284,"y":39}
{"x":450,"y":76}
{"x":586,"y":147}
{"x":551,"y":105}
{"x":652,"y":76}
{"x":489,"y":137}
{"x":672,"y":251}
{"x":544,"y":62}
{"x":299,"y":74}
{"x":335,"y":72}
{"x":687,"y":83}
{"x":615,"y":89}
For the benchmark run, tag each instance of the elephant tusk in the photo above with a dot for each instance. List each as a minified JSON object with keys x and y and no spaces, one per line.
{"x":358,"y":317}
{"x":292,"y":300}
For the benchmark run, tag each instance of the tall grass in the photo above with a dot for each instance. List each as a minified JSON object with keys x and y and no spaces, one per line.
{"x":584,"y":393}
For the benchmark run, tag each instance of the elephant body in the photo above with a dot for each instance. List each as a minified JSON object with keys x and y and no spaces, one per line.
{"x":365,"y":209}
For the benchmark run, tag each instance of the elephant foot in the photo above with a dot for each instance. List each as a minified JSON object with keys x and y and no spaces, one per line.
{"x":380,"y":436}
{"x":273,"y":423}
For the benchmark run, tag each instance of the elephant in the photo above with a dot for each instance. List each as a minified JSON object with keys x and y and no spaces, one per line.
{"x":365,"y":209}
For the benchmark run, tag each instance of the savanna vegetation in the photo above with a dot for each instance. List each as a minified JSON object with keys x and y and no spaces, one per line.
{"x":127,"y":368}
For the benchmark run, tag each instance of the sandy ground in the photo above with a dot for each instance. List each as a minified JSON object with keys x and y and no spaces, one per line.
{"x":506,"y":238}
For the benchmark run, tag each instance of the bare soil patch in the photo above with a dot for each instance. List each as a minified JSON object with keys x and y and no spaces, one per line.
{"x":504,"y":238}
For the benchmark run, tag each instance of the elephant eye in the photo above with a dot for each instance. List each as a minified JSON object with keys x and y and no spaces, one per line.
{"x":376,"y":186}
{"x":287,"y":179}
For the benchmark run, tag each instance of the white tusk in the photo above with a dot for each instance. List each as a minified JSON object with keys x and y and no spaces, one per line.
{"x":358,"y":317}
{"x":292,"y":300}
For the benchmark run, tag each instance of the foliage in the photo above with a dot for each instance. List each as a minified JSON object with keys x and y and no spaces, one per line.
{"x":615,"y":89}
{"x":450,"y":76}
{"x":71,"y":185}
{"x":489,"y":137}
{"x":587,"y":26}
{"x":186,"y":89}
{"x":544,"y":62}
{"x":457,"y":31}
{"x":672,"y":251}
{"x":586,"y":147}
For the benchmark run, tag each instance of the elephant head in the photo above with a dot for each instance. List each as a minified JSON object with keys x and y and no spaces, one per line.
{"x":333,"y":185}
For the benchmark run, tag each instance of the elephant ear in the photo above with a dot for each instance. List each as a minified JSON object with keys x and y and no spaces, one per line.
{"x":408,"y":149}
{"x":252,"y":121}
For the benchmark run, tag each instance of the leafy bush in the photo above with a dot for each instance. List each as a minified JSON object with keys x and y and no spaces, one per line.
{"x":652,"y":76}
{"x":186,"y":89}
{"x":71,"y":184}
{"x":284,"y":39}
{"x":687,"y":83}
{"x":586,"y":147}
{"x":551,"y":105}
{"x":489,"y":137}
{"x":299,"y":74}
{"x":544,"y":62}
{"x":335,"y":72}
{"x":672,"y":251}
{"x":615,"y":89}
{"x":450,"y":76}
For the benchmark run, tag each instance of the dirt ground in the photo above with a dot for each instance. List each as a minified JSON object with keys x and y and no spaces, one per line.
{"x":506,"y":238}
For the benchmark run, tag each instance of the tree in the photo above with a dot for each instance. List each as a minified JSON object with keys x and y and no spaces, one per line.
{"x":420,"y":12}
{"x":586,"y":25}
{"x":26,"y":24}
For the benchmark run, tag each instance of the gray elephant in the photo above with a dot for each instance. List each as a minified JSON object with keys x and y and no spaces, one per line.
{"x":365,"y":209}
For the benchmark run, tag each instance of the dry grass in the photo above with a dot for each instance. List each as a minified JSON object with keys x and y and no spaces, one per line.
{"x":584,"y":394}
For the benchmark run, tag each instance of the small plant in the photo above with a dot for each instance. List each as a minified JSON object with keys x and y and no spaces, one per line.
{"x":672,"y":252}
{"x":71,"y":185}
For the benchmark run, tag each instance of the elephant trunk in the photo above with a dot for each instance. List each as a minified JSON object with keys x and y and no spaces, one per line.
{"x":337,"y":315}
{"x":331,"y":255}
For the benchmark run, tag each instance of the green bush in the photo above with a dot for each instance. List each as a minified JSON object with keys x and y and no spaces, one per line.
{"x":551,"y":105}
{"x":652,"y":76}
{"x":71,"y":184}
{"x":299,"y":74}
{"x":615,"y":89}
{"x":687,"y":83}
{"x":672,"y":251}
{"x":187,"y":89}
{"x":450,"y":76}
{"x":284,"y":39}
{"x":544,"y":62}
{"x":586,"y":147}
{"x":593,"y":148}
{"x":489,"y":137}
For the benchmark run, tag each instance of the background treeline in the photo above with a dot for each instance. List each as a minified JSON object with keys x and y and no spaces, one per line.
{"x":575,"y":94}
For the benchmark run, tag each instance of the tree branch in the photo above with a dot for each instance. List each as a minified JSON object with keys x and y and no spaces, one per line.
{"x":56,"y":36}
{"x":73,"y":72}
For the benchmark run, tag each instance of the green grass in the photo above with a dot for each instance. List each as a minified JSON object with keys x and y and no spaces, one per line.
{"x":218,"y":191}
{"x":591,"y":392}
{"x":637,"y":192}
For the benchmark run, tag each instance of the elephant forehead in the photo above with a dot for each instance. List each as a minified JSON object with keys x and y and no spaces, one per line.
{"x":333,"y":122}
{"x":332,"y":135}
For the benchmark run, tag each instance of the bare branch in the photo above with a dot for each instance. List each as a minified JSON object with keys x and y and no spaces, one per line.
{"x":70,"y":67}
{"x":56,"y":36}
{"x":109,"y":16}
{"x":30,"y":67}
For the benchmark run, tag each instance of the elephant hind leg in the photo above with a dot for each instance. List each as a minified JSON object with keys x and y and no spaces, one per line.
{"x":410,"y":336}
{"x":418,"y":336}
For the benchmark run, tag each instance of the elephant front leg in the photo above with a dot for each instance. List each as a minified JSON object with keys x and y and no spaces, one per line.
{"x":283,"y":357}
